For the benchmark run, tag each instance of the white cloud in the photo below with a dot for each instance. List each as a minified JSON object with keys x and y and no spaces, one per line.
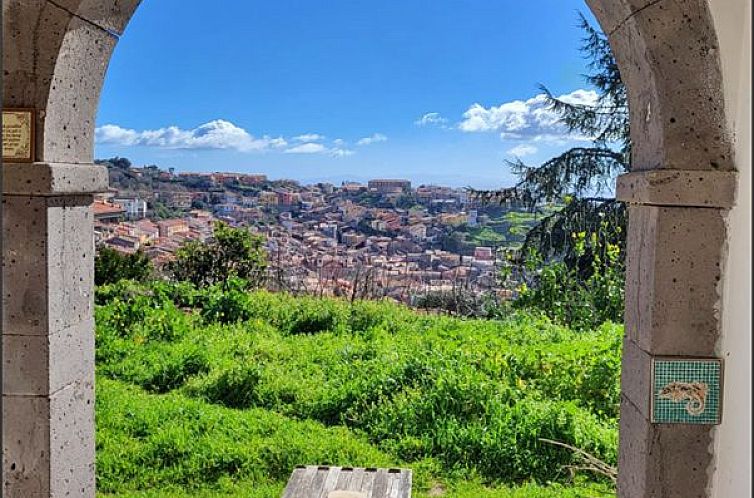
{"x":221,"y":134}
{"x":524,"y":119}
{"x":217,"y":134}
{"x":341,"y":152}
{"x":376,"y":138}
{"x":309,"y":137}
{"x":523,"y":150}
{"x":317,"y":148}
{"x":307,"y":148}
{"x":431,"y":119}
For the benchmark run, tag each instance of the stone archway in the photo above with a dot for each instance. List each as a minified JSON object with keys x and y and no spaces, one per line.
{"x":54,"y":61}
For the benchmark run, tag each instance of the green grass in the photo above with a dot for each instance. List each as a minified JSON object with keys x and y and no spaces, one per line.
{"x":484,"y":236}
{"x":223,"y":393}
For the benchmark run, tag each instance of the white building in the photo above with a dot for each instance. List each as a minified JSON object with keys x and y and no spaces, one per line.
{"x":136,"y":208}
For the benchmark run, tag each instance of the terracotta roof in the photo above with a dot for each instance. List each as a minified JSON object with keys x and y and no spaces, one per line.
{"x":172,"y":223}
{"x":101,"y":208}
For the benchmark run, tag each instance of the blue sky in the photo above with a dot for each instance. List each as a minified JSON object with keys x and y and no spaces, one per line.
{"x":437,"y":91}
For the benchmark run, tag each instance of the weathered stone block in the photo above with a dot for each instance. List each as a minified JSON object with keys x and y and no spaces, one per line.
{"x":72,"y":435}
{"x":32,"y":33}
{"x":68,"y":129}
{"x":26,"y":446}
{"x":25,"y":295}
{"x":636,"y":376}
{"x":111,"y":16}
{"x":661,"y":461}
{"x":678,"y":188}
{"x":71,"y":355}
{"x":50,"y":179}
{"x":49,"y":263}
{"x":673,"y":270}
{"x":611,"y":14}
{"x":70,"y":260}
{"x":36,"y":365}
{"x":77,"y":482}
{"x":661,"y":51}
{"x":26,"y":365}
{"x":49,"y":443}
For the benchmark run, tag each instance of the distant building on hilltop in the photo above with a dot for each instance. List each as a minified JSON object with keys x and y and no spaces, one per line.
{"x":175,"y":200}
{"x":473,"y":218}
{"x":168,"y":228}
{"x":252,"y":179}
{"x":286,"y":198}
{"x":385,"y":186}
{"x":483,"y":253}
{"x":136,"y":208}
{"x":352,"y":187}
{"x":108,"y":213}
{"x":268,"y":198}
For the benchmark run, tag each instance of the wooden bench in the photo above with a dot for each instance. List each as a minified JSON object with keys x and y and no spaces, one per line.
{"x":348,"y":482}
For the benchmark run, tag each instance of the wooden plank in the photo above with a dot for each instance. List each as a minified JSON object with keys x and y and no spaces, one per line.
{"x":344,"y":479}
{"x":304,"y":484}
{"x":293,"y":483}
{"x":356,"y":478}
{"x":315,"y":489}
{"x":380,"y":484}
{"x":330,"y":481}
{"x":368,"y":481}
{"x":407,"y":484}
{"x":395,"y":487}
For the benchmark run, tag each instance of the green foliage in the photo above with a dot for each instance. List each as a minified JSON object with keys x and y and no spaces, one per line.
{"x":291,"y":381}
{"x":582,"y":297}
{"x":227,"y":303}
{"x":161,"y":211}
{"x":181,"y":444}
{"x":234,"y":386}
{"x":111,"y":266}
{"x":234,"y":252}
{"x":485,"y":236}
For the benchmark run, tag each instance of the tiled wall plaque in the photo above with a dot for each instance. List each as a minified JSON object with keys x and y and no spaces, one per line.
{"x":686,"y":390}
{"x":18,"y":135}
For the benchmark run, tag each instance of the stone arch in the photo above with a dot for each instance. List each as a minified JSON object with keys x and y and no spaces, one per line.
{"x":55,"y":55}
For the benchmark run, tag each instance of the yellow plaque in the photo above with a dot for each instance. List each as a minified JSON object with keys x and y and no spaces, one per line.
{"x":18,"y":135}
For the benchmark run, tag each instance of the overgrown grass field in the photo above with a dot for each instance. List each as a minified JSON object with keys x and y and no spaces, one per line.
{"x":223,"y":392}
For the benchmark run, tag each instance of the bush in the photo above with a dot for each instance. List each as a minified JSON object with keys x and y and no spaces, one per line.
{"x":234,"y":387}
{"x":581,"y":298}
{"x":159,"y":367}
{"x":233,"y":253}
{"x":111,"y":266}
{"x":225,"y":307}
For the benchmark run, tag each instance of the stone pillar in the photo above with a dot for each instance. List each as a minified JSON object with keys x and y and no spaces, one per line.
{"x":48,"y":329}
{"x":676,"y":239}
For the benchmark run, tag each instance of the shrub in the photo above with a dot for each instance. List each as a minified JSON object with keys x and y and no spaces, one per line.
{"x":232,"y":253}
{"x":158,"y":367}
{"x":226,"y":307}
{"x":111,"y":266}
{"x":234,"y":387}
{"x":318,"y":315}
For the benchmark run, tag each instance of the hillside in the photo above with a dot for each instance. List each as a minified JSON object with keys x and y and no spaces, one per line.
{"x":222,"y":393}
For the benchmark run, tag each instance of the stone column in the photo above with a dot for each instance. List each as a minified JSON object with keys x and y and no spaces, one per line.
{"x":676,"y":239}
{"x":48,"y":329}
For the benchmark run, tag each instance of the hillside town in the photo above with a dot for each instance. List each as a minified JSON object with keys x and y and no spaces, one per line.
{"x":384,"y":238}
